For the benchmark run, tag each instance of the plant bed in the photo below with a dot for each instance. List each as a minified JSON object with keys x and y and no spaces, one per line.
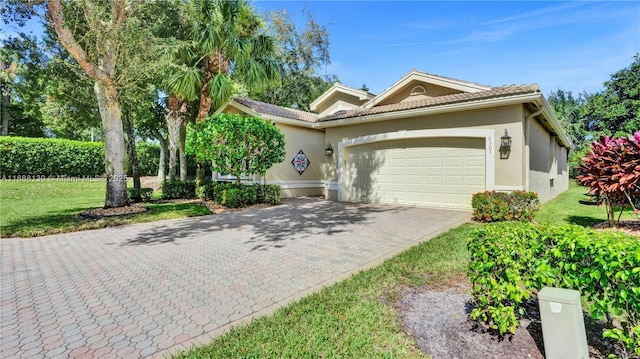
{"x":438,"y":320}
{"x":631,"y":227}
{"x":100,"y":213}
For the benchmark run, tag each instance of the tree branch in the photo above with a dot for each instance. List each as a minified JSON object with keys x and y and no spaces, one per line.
{"x":69,"y":42}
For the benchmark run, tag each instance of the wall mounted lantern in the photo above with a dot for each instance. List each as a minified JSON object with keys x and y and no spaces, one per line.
{"x":328,"y":151}
{"x":505,"y":145}
{"x":505,"y":141}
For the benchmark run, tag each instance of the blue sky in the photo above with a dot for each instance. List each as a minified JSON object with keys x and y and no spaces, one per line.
{"x":574,"y":45}
{"x":570,"y":45}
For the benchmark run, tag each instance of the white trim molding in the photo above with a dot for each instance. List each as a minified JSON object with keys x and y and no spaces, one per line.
{"x":331,"y":185}
{"x":298,"y":184}
{"x":508,"y":188}
{"x":488,"y":135}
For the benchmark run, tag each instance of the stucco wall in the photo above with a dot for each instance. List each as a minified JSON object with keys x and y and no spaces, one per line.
{"x":339,"y":101}
{"x":431,"y":91}
{"x":548,"y":173}
{"x":508,"y":171}
{"x":311,"y":142}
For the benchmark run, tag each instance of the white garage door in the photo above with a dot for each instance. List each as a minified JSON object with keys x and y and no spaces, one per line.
{"x":438,"y":172}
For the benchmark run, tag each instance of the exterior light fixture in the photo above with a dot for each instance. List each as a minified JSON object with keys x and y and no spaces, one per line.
{"x":328,"y":151}
{"x":505,"y":141}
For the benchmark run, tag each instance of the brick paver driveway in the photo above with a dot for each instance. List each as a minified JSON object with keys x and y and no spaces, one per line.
{"x":152,"y":289}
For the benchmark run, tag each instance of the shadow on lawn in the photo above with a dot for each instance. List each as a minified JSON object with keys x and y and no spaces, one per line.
{"x":270,"y":227}
{"x":584,"y":221}
{"x":41,"y":224}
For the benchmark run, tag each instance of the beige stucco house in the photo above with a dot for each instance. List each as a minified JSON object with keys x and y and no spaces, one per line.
{"x":427,"y":140}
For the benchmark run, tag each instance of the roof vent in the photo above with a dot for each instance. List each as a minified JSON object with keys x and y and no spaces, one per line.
{"x":418,"y":90}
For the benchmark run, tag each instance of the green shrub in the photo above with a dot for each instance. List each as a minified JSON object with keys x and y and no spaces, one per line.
{"x":270,"y":194}
{"x":178,"y":189}
{"x":236,"y":196}
{"x":148,"y":157}
{"x":50,"y":157}
{"x":144,"y":193}
{"x":510,"y":261}
{"x":232,"y":195}
{"x":492,"y":206}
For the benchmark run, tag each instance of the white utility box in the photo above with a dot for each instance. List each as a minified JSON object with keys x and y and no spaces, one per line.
{"x":562,"y":324}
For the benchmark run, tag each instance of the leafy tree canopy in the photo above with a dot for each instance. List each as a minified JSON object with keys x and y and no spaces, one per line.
{"x":616,"y":110}
{"x":302,"y":53}
{"x":569,"y":110}
{"x":236,"y":144}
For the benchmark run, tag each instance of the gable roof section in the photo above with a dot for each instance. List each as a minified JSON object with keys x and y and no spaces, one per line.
{"x":263,"y":108}
{"x":492,"y":93}
{"x":415,"y":75}
{"x":490,"y":97}
{"x":338,"y":87}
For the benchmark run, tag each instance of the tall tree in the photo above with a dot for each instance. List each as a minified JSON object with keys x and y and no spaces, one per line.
{"x":225,"y":39}
{"x":617,"y":108}
{"x":301,"y":55}
{"x":107,"y":41}
{"x":569,"y":110}
{"x":8,"y":70}
{"x":50,"y":89}
{"x":226,"y":43}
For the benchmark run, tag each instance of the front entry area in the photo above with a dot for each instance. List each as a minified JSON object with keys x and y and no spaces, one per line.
{"x":436,"y":172}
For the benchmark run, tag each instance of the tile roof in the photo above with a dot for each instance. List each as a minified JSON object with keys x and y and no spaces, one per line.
{"x":494,"y":92}
{"x":450,"y":78}
{"x":265,"y":108}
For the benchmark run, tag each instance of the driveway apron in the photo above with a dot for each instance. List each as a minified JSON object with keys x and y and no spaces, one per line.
{"x":149,"y":290}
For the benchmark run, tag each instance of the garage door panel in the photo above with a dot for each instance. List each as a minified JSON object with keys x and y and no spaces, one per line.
{"x":415,"y":179}
{"x":453,"y":180}
{"x":434,"y":180}
{"x":439,"y":172}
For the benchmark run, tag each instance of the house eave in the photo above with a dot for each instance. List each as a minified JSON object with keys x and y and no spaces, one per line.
{"x":417,"y":75}
{"x":338,"y":87}
{"x":266,"y":116}
{"x":473,"y":105}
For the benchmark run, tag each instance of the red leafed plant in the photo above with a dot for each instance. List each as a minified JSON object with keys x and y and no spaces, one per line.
{"x":611,"y":170}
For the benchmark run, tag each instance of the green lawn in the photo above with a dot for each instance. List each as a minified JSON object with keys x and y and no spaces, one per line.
{"x":45,"y":207}
{"x":574,"y":207}
{"x":349,"y":319}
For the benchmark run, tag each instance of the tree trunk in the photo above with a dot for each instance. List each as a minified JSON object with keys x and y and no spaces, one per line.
{"x":5,"y":114}
{"x":133,"y":157}
{"x":176,"y":116}
{"x":183,"y":154}
{"x":162,"y":162}
{"x":114,"y":147}
{"x":173,"y":125}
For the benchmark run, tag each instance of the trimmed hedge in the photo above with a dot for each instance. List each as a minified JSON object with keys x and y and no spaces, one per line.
{"x":178,"y":189}
{"x":511,"y":261}
{"x":149,"y":155}
{"x":492,"y":206}
{"x":231,"y":195}
{"x":22,"y":156}
{"x":144,"y":193}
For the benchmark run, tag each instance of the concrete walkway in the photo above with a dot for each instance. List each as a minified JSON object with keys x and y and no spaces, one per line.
{"x":152,"y":289}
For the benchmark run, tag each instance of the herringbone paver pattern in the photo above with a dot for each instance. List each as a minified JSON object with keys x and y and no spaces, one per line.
{"x":151,"y":289}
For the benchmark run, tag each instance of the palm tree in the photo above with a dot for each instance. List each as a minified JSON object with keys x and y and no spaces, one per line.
{"x":225,"y":43}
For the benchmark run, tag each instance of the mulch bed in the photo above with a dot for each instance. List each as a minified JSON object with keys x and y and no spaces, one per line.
{"x":213,"y":207}
{"x":100,"y":213}
{"x":631,"y":227}
{"x":438,"y":319}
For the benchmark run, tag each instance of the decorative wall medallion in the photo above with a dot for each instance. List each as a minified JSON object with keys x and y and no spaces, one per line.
{"x":300,"y":162}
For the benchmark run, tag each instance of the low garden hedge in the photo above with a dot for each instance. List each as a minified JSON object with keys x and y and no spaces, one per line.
{"x":511,"y":261}
{"x":492,"y":206}
{"x":227,"y":194}
{"x":22,"y":156}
